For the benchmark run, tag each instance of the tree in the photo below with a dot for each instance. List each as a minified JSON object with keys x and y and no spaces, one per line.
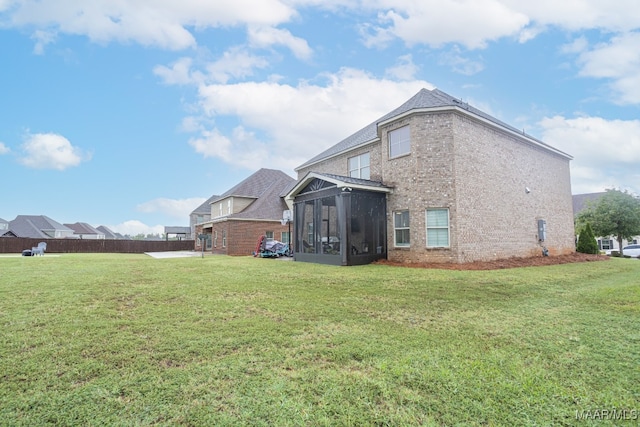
{"x":586,"y":241}
{"x":616,"y":213}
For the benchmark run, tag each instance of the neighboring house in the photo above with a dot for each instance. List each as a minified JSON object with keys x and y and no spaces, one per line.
{"x":4,"y":229}
{"x":605,"y":243}
{"x":177,"y":231}
{"x":39,"y":226}
{"x":251,"y":209}
{"x":108,"y":234}
{"x":82,"y":230}
{"x":201,"y":214}
{"x":435,"y":180}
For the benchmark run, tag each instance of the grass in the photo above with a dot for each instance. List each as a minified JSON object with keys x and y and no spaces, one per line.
{"x":89,"y":339}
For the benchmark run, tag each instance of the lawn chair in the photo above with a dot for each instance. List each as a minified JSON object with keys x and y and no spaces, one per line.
{"x":39,"y":250}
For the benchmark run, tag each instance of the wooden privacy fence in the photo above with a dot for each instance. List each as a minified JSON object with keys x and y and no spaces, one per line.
{"x":18,"y":244}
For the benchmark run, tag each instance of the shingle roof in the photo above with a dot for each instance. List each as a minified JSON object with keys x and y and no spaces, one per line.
{"x":424,"y":99}
{"x":266,"y":187}
{"x":581,"y":201}
{"x":83,"y":228}
{"x":108,"y":234}
{"x":205,"y":207}
{"x":33,"y":226}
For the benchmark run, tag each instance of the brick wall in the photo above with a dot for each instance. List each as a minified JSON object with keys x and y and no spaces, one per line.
{"x":241,"y":235}
{"x":479,"y":173}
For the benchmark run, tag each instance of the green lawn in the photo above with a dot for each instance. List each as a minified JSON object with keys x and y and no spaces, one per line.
{"x":94,"y":339}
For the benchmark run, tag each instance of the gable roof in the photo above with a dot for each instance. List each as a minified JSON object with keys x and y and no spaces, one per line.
{"x":581,"y":201}
{"x":108,"y":234}
{"x":83,"y":228}
{"x":338,"y":181}
{"x":205,"y":207}
{"x":424,"y":101}
{"x":266,"y":186}
{"x":35,"y":226}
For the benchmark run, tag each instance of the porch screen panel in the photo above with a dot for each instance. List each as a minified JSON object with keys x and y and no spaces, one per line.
{"x":329,"y":229}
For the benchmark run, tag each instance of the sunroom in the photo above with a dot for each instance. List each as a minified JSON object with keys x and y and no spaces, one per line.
{"x":339,"y":220}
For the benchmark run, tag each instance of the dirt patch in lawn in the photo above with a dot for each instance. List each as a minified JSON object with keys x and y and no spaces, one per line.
{"x":504,"y":263}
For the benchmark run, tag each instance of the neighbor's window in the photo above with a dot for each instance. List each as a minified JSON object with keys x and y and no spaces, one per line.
{"x":399,"y":142}
{"x":224,"y":238}
{"x":437,"y":228}
{"x":285,"y":237}
{"x":229,"y":207}
{"x":606,"y":244}
{"x":359,"y":166}
{"x":215,"y":239}
{"x":401,"y":228}
{"x":220,"y":209}
{"x":268,"y":235}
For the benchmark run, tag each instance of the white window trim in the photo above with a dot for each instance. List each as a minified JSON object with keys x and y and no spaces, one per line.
{"x":395,"y":131}
{"x":427,"y":227}
{"x":357,"y":171}
{"x":395,"y":229}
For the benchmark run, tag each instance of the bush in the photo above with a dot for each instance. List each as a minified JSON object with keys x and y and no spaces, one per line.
{"x":587,"y":242}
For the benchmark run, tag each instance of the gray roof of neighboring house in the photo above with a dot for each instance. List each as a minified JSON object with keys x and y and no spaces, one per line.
{"x":266,"y":187}
{"x":176,"y":229}
{"x":205,"y":207}
{"x":83,"y":228}
{"x":108,"y":234}
{"x":422,"y":100}
{"x":581,"y":201}
{"x":32,"y":226}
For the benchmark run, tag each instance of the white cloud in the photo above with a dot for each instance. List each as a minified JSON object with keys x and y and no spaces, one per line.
{"x":235,"y":63}
{"x":50,"y":151}
{"x":3,"y":149}
{"x":134,"y":227}
{"x":179,"y":73}
{"x":606,"y":152}
{"x":282,"y":126}
{"x":437,"y":22}
{"x":263,"y":37}
{"x":573,"y":15}
{"x":176,"y":208}
{"x":163,"y":24}
{"x":459,"y":63}
{"x":619,"y":61}
{"x":404,"y":69}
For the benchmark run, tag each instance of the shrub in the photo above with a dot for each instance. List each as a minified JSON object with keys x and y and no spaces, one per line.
{"x":587,"y":242}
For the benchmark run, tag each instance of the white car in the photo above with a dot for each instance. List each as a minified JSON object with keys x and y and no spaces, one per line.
{"x":630,"y":250}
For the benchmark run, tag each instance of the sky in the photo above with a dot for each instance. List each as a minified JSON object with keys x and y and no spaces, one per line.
{"x":131,"y":113}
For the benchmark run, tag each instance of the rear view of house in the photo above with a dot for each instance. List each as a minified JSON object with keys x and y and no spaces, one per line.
{"x":435,"y":180}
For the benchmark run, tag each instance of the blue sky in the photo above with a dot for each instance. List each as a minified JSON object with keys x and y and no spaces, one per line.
{"x":131,"y":113}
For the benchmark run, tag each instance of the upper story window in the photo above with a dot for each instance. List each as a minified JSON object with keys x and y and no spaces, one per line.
{"x":229,"y":207}
{"x":399,"y":142}
{"x":360,"y":166}
{"x":220,"y":214}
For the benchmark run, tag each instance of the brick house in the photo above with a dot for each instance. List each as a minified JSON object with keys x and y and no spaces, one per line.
{"x":252,"y":208}
{"x":435,"y":180}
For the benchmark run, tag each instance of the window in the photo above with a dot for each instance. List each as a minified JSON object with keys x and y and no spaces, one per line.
{"x":401,"y":228}
{"x":224,"y":238}
{"x":399,"y":142}
{"x":285,"y":237}
{"x":229,"y":207}
{"x":359,"y":166}
{"x":215,"y":239}
{"x":437,"y":228}
{"x":606,"y":244}
{"x":268,"y":235}
{"x":220,"y":209}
